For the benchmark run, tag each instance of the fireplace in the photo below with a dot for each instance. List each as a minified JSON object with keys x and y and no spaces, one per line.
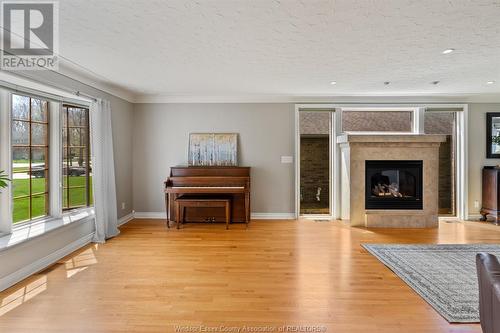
{"x":393,"y":184}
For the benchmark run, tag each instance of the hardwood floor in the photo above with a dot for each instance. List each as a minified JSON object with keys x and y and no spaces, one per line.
{"x":150,"y":279}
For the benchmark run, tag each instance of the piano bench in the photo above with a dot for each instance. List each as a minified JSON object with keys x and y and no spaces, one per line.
{"x":181,"y":203}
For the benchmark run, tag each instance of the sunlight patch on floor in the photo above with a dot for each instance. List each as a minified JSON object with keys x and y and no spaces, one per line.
{"x":80,"y":262}
{"x":23,"y":294}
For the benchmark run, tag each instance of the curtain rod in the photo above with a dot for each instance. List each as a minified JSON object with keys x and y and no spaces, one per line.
{"x":22,"y":89}
{"x":55,"y":86}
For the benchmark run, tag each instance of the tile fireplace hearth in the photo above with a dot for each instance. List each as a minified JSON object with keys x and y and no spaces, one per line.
{"x":390,"y":181}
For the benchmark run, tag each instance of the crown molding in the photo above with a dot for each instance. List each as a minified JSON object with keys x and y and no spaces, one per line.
{"x":267,"y":98}
{"x":68,"y":69}
{"x":98,"y":82}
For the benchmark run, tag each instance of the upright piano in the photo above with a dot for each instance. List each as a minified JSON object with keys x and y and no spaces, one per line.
{"x":209,"y":181}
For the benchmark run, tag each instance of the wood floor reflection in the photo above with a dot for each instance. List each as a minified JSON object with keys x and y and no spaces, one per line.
{"x":150,"y":279}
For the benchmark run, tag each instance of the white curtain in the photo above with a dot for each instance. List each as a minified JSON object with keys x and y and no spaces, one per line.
{"x":103,"y":170}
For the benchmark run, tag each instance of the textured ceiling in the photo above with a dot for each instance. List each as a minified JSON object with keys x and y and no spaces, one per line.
{"x":287,"y":47}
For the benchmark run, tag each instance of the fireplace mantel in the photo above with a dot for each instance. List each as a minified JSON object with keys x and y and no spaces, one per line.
{"x":356,"y":149}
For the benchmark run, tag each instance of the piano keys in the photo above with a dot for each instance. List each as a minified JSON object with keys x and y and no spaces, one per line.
{"x":209,"y":181}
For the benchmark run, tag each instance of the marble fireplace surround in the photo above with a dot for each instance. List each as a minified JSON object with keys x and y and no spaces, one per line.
{"x":357,"y":148}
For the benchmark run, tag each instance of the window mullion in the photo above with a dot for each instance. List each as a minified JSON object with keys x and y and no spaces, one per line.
{"x":87,"y":162}
{"x":68,"y":151}
{"x":418,"y":121}
{"x":5,"y":161}
{"x":55,"y":158}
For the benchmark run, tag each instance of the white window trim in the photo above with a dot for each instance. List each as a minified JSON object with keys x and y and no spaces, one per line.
{"x":5,"y":161}
{"x":55,"y":152}
{"x":462,"y":159}
{"x":28,"y":230}
{"x":55,"y":160}
{"x":334,"y":169}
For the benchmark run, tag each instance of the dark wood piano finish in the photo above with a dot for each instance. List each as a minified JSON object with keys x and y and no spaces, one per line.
{"x":210,"y":181}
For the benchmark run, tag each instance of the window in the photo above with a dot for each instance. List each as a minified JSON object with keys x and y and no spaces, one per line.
{"x":77,"y":168}
{"x":377,"y":121}
{"x":443,"y":122}
{"x":47,"y":176}
{"x":30,"y":151}
{"x":315,"y":135}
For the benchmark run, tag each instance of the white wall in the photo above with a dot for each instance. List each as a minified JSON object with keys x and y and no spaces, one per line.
{"x":477,"y":150}
{"x":266,"y":132}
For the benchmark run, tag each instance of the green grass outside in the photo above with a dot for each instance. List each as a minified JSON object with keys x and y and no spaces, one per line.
{"x":21,"y":187}
{"x":21,"y":161}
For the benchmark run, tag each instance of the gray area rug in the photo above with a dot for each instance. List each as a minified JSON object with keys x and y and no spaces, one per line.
{"x":444,"y":275}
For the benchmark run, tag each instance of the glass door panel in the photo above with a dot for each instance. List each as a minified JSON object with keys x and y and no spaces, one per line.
{"x":315,"y":162}
{"x":441,"y":122}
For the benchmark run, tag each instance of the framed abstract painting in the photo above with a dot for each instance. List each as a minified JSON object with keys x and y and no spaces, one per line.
{"x":213,"y":149}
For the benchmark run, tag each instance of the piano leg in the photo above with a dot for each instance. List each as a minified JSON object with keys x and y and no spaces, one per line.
{"x":167,"y":208}
{"x":247,"y":208}
{"x":177,"y":214}
{"x":182,"y":212}
{"x":228,"y":213}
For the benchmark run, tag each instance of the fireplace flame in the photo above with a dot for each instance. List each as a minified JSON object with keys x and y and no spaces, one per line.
{"x":383,"y":190}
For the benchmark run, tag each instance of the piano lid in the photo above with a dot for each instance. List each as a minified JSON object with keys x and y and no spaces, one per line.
{"x":209,"y":171}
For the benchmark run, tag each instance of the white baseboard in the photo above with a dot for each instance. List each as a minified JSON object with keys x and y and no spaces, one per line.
{"x":272,"y":216}
{"x":448,"y":218}
{"x":40,"y":264}
{"x":150,"y":215}
{"x":125,"y":219}
{"x":254,"y":216}
{"x":473,"y":217}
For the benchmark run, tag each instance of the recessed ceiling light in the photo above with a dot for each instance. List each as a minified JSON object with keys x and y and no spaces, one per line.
{"x":333,"y":83}
{"x":490,"y":82}
{"x":448,"y":51}
{"x":435,"y":82}
{"x":386,"y":83}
